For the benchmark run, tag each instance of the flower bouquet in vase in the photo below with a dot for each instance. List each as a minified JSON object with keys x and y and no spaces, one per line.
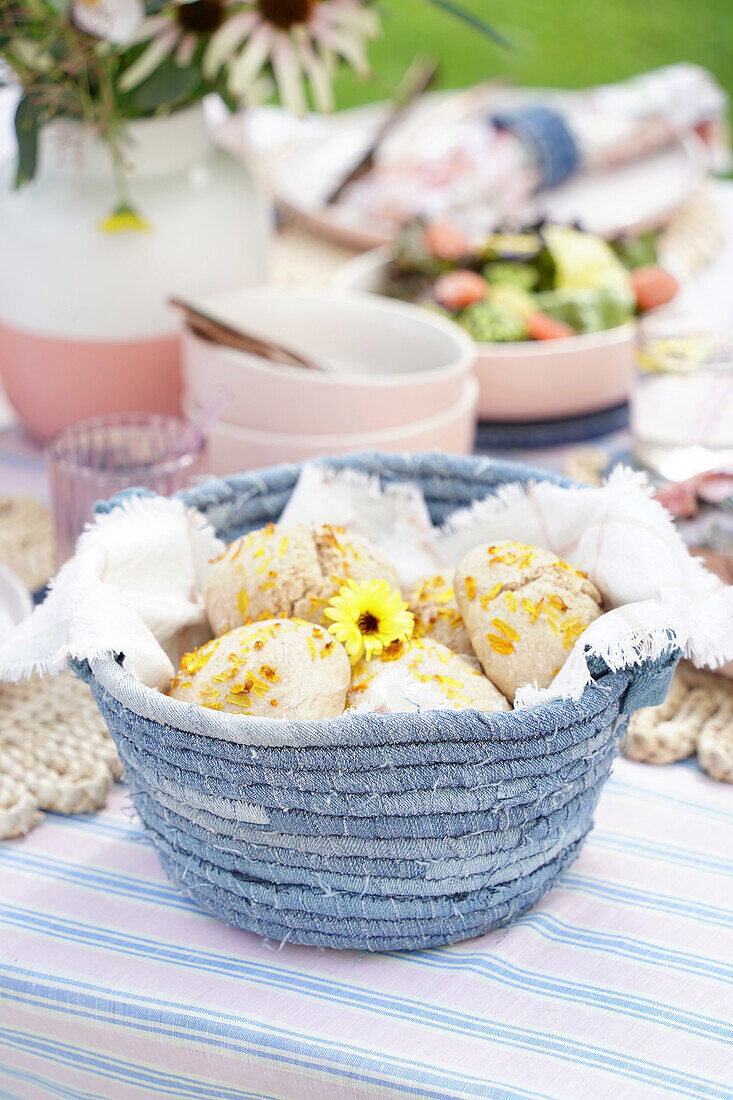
{"x":117,"y":198}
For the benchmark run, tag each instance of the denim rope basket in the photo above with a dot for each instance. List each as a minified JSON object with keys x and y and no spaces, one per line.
{"x":368,"y":831}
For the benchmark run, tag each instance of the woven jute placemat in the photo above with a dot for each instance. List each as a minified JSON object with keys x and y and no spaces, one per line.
{"x":696,"y":717}
{"x":26,"y":540}
{"x":55,"y":751}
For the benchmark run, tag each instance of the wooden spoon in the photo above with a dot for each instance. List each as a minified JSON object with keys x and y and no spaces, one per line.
{"x":220,"y":332}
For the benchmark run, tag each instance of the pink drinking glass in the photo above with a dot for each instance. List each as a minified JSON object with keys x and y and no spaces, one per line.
{"x":96,"y":458}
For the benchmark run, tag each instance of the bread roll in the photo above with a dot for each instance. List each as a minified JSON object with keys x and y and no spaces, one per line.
{"x":275,"y":669}
{"x":524,"y":608}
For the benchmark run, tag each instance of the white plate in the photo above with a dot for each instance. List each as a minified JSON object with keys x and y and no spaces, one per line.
{"x":631,"y":198}
{"x":15,"y":600}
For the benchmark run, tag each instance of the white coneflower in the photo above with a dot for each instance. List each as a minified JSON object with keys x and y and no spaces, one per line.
{"x":114,"y":21}
{"x":300,"y":39}
{"x":176,"y":29}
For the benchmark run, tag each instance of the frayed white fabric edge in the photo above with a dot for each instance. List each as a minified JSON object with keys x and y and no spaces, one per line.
{"x":58,"y":638}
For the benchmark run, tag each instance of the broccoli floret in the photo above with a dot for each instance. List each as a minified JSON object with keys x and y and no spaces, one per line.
{"x":515,"y":274}
{"x":486,"y":325}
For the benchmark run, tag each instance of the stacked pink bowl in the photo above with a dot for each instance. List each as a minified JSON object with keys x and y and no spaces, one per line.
{"x":394,"y":378}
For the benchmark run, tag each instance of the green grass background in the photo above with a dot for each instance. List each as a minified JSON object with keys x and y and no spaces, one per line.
{"x":557,"y":43}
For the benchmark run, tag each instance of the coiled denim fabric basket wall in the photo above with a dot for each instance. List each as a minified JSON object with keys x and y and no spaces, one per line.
{"x":374,"y":832}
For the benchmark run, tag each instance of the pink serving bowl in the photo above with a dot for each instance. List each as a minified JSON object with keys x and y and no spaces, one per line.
{"x":233,"y":448}
{"x":391,"y":363}
{"x":531,"y":379}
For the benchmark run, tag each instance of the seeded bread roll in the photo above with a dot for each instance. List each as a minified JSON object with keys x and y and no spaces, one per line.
{"x":420,"y":675}
{"x":433,"y":603}
{"x":523,"y":608}
{"x":275,"y":669}
{"x":287,"y":572}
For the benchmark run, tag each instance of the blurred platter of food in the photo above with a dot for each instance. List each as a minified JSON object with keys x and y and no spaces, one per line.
{"x":615,"y":159}
{"x":639,"y":195}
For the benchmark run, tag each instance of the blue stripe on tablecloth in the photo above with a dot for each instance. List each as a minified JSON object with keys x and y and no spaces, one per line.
{"x":508,"y":973}
{"x":632,"y":1068}
{"x":449,"y":1020}
{"x":147,"y":890}
{"x":646,"y":899}
{"x":55,"y":1088}
{"x":109,"y":1068}
{"x":363,"y":998}
{"x":642,"y":952}
{"x":668,"y":799}
{"x":661,"y":853}
{"x":101,"y":824}
{"x":50,"y":1088}
{"x":174,"y":1019}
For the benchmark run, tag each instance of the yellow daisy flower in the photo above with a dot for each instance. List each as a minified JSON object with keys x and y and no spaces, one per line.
{"x":368,"y":617}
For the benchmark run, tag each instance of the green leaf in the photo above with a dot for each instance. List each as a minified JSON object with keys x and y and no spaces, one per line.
{"x":473,"y":21}
{"x":168,"y":86}
{"x":220,"y":87}
{"x":27,"y":126}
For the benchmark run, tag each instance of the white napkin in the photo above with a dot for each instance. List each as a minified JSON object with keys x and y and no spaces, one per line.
{"x":394,"y":517}
{"x":132,"y":587}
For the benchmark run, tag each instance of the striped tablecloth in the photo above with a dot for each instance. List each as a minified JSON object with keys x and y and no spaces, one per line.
{"x":619,"y":984}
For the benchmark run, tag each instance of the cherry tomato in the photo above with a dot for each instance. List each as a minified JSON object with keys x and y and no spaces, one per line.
{"x":444,"y":241}
{"x":458,"y":289}
{"x":653,"y":286}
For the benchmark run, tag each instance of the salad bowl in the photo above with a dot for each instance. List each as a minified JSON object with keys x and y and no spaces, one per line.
{"x":530,"y":379}
{"x":552,"y":310}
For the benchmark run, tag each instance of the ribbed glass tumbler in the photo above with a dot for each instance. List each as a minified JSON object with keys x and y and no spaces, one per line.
{"x":96,"y":458}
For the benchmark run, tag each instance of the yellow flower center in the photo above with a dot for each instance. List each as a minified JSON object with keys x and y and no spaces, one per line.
{"x":368,"y":623}
{"x":286,"y":13}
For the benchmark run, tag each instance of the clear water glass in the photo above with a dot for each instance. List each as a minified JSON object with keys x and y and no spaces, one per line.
{"x":682,"y":403}
{"x":96,"y":458}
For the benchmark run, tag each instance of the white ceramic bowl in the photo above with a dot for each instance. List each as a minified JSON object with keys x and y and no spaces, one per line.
{"x":233,"y":448}
{"x":393,"y":363}
{"x":531,"y":379}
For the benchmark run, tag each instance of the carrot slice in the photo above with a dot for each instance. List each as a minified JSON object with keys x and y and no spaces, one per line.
{"x":458,"y":289}
{"x":653,"y":286}
{"x":540,"y":326}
